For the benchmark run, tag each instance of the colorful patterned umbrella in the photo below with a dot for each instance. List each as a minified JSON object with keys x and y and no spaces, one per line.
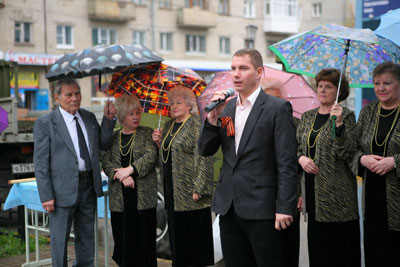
{"x":151,"y":83}
{"x":101,"y":59}
{"x":324,"y":47}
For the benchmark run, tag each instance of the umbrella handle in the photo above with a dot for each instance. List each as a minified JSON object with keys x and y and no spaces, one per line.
{"x":333,"y":126}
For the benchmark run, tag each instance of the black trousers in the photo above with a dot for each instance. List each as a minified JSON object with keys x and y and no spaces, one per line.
{"x":249,"y":242}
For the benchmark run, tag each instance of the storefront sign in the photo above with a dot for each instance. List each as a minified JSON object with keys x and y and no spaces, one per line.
{"x":31,"y":59}
{"x":26,"y":80}
{"x":376,"y":8}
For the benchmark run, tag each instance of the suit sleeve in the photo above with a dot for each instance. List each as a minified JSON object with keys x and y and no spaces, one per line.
{"x":209,"y":140}
{"x":41,"y":159}
{"x":106,"y":131}
{"x":285,"y":149}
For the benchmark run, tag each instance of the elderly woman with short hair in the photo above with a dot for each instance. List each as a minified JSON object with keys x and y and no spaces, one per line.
{"x":188,"y":182}
{"x":130,"y":166}
{"x":378,"y":161}
{"x":328,"y":186}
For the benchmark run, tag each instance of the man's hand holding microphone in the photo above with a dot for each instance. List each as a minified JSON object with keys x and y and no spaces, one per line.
{"x":217,"y":105}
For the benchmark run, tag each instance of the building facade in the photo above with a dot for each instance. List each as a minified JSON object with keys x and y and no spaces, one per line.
{"x":196,"y":34}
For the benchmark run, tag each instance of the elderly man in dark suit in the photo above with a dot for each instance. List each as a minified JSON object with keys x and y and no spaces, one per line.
{"x":256,"y":191}
{"x":67,"y":170}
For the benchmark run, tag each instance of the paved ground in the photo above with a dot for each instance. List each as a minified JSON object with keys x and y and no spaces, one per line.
{"x":19,"y":260}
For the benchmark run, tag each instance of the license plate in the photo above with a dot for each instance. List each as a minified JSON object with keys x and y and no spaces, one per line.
{"x":22,"y":168}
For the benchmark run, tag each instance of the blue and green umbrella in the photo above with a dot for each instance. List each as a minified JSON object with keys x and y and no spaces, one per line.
{"x":325,"y":47}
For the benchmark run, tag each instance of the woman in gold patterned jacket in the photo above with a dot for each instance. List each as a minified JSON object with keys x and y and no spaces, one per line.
{"x":329,"y":187}
{"x":378,"y":161}
{"x":188,"y":182}
{"x":132,"y":186}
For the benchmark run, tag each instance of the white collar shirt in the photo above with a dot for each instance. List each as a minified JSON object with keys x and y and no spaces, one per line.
{"x":242,"y":113}
{"x":71,"y":126}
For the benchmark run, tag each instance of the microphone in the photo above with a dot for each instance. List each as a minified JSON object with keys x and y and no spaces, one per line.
{"x":214,"y":104}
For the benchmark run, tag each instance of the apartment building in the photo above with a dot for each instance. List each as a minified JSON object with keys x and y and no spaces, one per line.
{"x":196,"y":34}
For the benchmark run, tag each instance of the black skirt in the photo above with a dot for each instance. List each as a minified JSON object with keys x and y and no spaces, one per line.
{"x":330,"y":243}
{"x":190,"y":232}
{"x":134,"y":233}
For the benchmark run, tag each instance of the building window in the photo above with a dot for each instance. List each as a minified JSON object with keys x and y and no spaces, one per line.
{"x":292,"y":8}
{"x":195,"y":44}
{"x":223,"y":7}
{"x":249,"y":8}
{"x":166,"y":41}
{"x":139,"y":2}
{"x":278,"y":8}
{"x":165,"y":3}
{"x":193,"y":3}
{"x":138,"y":37}
{"x":64,"y":37}
{"x":23,"y":32}
{"x":104,"y":36}
{"x":316,"y":10}
{"x":267,"y":7}
{"x":224,"y":46}
{"x":249,"y":43}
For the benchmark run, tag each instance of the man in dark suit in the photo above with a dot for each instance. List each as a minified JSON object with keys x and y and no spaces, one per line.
{"x":66,"y":158}
{"x":256,"y":191}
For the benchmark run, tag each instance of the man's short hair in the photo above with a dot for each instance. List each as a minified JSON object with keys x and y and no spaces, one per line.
{"x":255,"y":56}
{"x":65,"y":81}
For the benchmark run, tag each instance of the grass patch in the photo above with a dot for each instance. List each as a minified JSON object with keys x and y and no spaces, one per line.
{"x":11,"y":244}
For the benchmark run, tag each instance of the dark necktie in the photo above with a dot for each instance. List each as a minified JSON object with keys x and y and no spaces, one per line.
{"x":82,"y":146}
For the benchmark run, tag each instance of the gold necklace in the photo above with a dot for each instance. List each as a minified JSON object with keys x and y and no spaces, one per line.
{"x":318,"y":131}
{"x":374,"y":137}
{"x":173,"y":135}
{"x":387,"y":115}
{"x":129,"y":143}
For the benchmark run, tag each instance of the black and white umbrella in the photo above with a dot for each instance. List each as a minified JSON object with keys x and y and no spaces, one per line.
{"x":100,"y":60}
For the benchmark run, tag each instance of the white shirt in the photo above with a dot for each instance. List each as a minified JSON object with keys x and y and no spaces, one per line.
{"x":242,"y":113}
{"x":71,"y":125}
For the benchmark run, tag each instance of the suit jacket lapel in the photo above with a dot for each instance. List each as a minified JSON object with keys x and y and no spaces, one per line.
{"x":250,"y":123}
{"x":89,"y":130}
{"x":62,"y":130}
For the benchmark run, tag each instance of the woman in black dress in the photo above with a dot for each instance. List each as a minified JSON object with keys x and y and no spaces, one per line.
{"x":132,"y":185}
{"x":188,"y":182}
{"x":329,"y":187}
{"x":378,"y":158}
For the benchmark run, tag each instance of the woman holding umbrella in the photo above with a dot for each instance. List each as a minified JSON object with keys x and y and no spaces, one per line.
{"x":329,"y":188}
{"x":378,"y":158}
{"x":130,"y":165}
{"x":188,"y":182}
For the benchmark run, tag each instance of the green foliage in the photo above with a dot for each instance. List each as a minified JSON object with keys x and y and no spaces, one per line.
{"x":11,"y":244}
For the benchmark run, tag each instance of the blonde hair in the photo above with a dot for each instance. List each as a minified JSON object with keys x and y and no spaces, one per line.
{"x":124,"y":103}
{"x":187,"y":95}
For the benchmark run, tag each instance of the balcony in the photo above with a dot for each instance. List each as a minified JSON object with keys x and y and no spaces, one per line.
{"x":196,"y":18}
{"x":281,"y":16}
{"x":111,"y":11}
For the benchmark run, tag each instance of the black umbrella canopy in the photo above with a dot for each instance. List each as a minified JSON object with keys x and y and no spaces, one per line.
{"x":100,"y":60}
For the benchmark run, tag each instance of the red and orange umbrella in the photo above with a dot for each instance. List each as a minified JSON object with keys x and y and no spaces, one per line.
{"x":151,"y":84}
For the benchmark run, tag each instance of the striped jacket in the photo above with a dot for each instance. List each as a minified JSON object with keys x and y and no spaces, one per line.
{"x":145,"y":157}
{"x":191,"y":173}
{"x":335,"y":184}
{"x":364,"y":133}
